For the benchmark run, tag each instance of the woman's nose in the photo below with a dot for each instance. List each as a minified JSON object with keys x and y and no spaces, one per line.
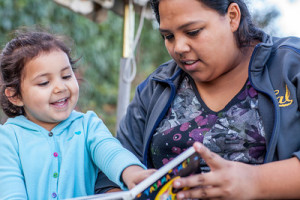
{"x":181,"y":46}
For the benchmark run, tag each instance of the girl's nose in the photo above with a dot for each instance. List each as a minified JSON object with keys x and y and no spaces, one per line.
{"x":60,"y":86}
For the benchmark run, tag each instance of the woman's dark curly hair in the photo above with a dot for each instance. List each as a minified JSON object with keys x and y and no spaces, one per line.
{"x":247,"y":31}
{"x":26,"y":45}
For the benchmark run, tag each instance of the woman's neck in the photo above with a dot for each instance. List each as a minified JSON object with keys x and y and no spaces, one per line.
{"x":218,"y":93}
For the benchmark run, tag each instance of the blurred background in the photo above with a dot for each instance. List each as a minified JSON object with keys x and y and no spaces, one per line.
{"x":99,"y":43}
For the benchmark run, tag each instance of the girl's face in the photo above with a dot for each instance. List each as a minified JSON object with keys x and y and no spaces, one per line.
{"x":49,"y":89}
{"x":199,"y":39}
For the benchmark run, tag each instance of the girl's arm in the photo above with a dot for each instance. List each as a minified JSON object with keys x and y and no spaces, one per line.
{"x":236,"y":180}
{"x":12,"y":184}
{"x":106,"y":151}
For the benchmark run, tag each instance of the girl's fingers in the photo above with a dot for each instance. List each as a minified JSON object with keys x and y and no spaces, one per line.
{"x":144,"y":174}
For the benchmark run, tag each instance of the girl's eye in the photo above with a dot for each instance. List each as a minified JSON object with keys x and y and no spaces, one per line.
{"x":67,"y":76}
{"x":43,"y":83}
{"x":194,"y":32}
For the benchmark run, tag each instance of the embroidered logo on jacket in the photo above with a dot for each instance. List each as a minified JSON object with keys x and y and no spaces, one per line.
{"x":285,"y":100}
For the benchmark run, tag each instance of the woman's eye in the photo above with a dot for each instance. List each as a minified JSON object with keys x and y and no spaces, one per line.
{"x":168,"y":37}
{"x":194,"y":32}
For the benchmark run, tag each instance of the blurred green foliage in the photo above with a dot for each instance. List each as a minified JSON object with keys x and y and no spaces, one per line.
{"x":98,"y":45}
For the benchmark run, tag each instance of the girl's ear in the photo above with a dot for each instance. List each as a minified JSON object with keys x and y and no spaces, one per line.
{"x":234,"y":14}
{"x":16,"y":100}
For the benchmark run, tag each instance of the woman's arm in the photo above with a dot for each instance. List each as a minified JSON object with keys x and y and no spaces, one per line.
{"x":236,"y":180}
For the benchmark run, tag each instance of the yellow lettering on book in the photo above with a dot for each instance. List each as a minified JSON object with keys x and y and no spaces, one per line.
{"x":152,"y":189}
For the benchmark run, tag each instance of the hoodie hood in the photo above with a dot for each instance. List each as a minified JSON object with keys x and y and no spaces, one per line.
{"x":22,"y":122}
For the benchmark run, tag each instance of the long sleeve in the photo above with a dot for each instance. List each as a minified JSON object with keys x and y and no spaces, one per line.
{"x":11,"y":176}
{"x":106,"y":151}
{"x":132,"y":142}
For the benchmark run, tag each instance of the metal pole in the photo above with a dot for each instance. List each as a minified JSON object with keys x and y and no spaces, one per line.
{"x":128,"y":38}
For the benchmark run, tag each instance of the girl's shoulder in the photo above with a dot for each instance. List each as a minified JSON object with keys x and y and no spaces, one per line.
{"x":88,"y":115}
{"x":87,"y":119}
{"x":8,"y":134}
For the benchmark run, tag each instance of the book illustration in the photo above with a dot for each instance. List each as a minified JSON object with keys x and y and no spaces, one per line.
{"x":162,"y":189}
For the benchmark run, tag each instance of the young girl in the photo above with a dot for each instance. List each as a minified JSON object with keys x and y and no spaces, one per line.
{"x":48,"y":150}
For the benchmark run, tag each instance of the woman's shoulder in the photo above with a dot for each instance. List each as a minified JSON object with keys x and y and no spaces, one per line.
{"x":166,"y":71}
{"x":291,"y":43}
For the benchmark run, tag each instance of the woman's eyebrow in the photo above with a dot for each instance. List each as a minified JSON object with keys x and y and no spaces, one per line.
{"x":162,"y":30}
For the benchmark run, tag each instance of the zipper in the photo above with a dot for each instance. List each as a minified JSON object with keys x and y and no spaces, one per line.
{"x":271,"y":145}
{"x":161,"y":116}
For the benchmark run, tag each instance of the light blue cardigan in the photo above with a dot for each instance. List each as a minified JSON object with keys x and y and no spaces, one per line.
{"x":36,"y":165}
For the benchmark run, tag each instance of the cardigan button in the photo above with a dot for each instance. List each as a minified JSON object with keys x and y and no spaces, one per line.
{"x":54,"y":195}
{"x":55,"y":175}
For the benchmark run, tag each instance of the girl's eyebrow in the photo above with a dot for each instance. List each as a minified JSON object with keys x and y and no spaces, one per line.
{"x":66,"y":68}
{"x":45,"y":74}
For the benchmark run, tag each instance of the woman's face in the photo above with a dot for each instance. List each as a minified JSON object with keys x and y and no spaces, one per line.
{"x":199,"y":39}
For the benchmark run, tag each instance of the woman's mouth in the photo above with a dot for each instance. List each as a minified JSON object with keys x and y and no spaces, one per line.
{"x":189,"y":62}
{"x":190,"y":65}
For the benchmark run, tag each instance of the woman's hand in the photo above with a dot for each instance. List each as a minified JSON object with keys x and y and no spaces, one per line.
{"x":226,"y":180}
{"x":134,"y":174}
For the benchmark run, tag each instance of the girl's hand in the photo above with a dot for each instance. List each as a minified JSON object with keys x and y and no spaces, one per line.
{"x":134,"y":174}
{"x":226,"y":180}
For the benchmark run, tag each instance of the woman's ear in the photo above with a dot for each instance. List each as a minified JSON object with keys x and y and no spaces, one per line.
{"x":14,"y":99}
{"x":234,"y":14}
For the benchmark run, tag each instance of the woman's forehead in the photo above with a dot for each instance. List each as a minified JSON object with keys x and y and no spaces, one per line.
{"x":184,"y":12}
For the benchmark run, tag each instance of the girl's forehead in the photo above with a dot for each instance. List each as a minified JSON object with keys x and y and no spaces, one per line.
{"x":47,"y":63}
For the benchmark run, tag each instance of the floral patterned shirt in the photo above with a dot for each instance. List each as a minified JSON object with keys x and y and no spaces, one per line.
{"x":235,"y":133}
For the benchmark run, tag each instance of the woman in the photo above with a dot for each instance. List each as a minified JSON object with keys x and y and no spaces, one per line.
{"x":229,"y":86}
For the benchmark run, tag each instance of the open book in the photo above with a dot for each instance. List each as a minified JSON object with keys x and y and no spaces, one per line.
{"x":158,"y":186}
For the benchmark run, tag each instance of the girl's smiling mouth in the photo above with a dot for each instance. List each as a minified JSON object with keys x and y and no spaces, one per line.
{"x":60,"y":103}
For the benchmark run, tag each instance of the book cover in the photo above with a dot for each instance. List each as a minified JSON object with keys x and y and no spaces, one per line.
{"x":158,"y":186}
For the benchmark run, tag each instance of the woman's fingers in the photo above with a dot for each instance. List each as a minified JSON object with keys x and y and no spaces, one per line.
{"x":194,"y":181}
{"x":206,"y":185}
{"x":213,"y":160}
{"x":205,"y":192}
